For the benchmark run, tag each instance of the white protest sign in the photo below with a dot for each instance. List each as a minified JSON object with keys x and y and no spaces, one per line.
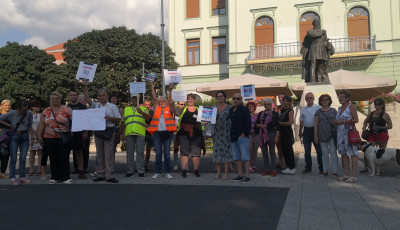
{"x":178,"y":96}
{"x":207,"y":114}
{"x":86,"y":71}
{"x":137,"y":87}
{"x":172,"y":76}
{"x":248,"y":92}
{"x":88,"y":119}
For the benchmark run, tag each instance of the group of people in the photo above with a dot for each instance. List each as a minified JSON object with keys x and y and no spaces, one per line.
{"x":237,"y":135}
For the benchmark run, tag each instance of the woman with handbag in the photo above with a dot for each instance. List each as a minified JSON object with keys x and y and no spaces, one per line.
{"x":162,"y":127}
{"x":55,"y":132}
{"x":4,"y":153}
{"x":221,"y":138}
{"x":345,"y":120}
{"x":378,"y":122}
{"x":21,"y":127}
{"x":325,"y":134}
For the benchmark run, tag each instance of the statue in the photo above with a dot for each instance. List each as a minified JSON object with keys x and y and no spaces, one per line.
{"x":316,"y":50}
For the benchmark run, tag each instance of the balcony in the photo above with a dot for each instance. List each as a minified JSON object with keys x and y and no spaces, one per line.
{"x":283,"y":54}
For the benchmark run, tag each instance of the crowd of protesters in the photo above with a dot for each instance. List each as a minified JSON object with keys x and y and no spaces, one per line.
{"x":238,"y":133}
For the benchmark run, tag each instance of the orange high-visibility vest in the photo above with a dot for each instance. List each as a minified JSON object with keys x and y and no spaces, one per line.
{"x":168,"y":119}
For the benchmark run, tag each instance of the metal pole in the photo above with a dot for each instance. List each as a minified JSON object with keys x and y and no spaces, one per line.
{"x":162,"y":48}
{"x":143,"y":78}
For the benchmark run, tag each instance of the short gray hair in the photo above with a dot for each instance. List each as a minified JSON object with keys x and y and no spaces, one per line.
{"x":267,"y":99}
{"x":160,"y":98}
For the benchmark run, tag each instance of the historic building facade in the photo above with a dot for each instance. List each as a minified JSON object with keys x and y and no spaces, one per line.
{"x":217,"y":39}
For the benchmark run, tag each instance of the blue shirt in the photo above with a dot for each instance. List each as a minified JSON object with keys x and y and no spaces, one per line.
{"x":240,"y":122}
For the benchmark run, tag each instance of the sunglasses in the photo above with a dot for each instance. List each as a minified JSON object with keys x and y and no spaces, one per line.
{"x":324,"y":99}
{"x":36,"y":106}
{"x":236,"y":98}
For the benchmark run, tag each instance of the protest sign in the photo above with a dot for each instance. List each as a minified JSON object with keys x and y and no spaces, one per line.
{"x":137,"y":87}
{"x":207,"y":114}
{"x":248,"y":92}
{"x":151,"y":76}
{"x":88,"y":119}
{"x":86,"y":71}
{"x":172,"y":76}
{"x":178,"y":96}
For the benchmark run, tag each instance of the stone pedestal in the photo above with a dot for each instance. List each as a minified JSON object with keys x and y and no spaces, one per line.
{"x":318,"y":90}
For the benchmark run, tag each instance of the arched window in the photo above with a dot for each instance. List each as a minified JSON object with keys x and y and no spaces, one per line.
{"x":358,"y":29}
{"x":264,"y":37}
{"x":305,"y":23}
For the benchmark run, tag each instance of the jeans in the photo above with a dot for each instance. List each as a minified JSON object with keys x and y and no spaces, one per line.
{"x":135,"y":142}
{"x":20,"y":141}
{"x":308,"y":138}
{"x":328,"y":148}
{"x":240,"y":149}
{"x":162,"y":148}
{"x":264,"y":149}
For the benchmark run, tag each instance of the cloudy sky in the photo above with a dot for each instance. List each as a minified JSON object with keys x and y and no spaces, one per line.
{"x":44,"y":23}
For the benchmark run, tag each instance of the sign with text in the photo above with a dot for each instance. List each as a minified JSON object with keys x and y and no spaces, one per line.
{"x":151,"y":76}
{"x":88,"y":119}
{"x":248,"y":92}
{"x":137,"y":87}
{"x":207,"y":114}
{"x":86,"y":71}
{"x":179,"y":96}
{"x":172,"y":76}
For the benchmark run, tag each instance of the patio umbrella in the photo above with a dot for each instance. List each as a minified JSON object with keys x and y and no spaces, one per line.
{"x":361,"y":86}
{"x":265,"y":86}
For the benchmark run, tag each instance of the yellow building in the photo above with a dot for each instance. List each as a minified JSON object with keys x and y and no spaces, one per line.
{"x":216,"y":39}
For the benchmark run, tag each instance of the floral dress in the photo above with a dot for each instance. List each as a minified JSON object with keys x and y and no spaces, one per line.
{"x":222,"y":138}
{"x":35,"y":122}
{"x":342,"y":134}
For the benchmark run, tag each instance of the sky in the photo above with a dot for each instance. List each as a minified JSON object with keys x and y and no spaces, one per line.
{"x":44,"y":23}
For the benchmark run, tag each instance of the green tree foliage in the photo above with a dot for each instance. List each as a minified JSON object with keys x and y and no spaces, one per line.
{"x":119,"y":54}
{"x":26,"y":72}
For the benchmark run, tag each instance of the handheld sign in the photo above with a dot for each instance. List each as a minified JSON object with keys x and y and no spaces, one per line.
{"x":86,"y":71}
{"x":172,"y":76}
{"x":137,"y":87}
{"x":151,"y":76}
{"x":88,"y":119}
{"x":248,"y":92}
{"x":179,"y":95}
{"x":207,"y":114}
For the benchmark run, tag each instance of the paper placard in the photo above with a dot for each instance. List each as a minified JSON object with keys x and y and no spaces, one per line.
{"x":207,"y":114}
{"x":151,"y":76}
{"x":248,"y":92}
{"x":86,"y":71}
{"x":137,"y":87}
{"x":172,"y":76}
{"x":88,"y":119}
{"x":179,"y":96}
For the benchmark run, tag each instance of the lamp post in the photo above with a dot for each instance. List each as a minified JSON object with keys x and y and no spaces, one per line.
{"x":162,"y":48}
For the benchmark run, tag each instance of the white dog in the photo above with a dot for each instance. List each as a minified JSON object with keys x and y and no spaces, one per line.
{"x":377,"y":157}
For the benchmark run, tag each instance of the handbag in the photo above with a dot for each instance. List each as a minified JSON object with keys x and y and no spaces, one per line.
{"x":66,"y":137}
{"x":209,"y":130}
{"x":164,"y":135}
{"x":104,"y":134}
{"x":365,"y":133}
{"x":333,"y":128}
{"x":6,"y":138}
{"x":354,"y":136}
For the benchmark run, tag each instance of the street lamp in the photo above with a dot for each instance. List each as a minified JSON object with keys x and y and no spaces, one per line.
{"x":162,"y":48}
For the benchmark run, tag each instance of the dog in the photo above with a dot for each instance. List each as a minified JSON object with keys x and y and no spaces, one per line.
{"x":377,"y":157}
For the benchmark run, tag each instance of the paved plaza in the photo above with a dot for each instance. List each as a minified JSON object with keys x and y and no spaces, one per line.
{"x":300,"y":201}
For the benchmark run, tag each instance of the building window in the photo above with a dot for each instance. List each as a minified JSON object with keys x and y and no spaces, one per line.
{"x":219,"y":50}
{"x":264,"y":37}
{"x":192,"y":9}
{"x":358,"y":29}
{"x":305,"y":24}
{"x":218,"y":7}
{"x":193,"y":52}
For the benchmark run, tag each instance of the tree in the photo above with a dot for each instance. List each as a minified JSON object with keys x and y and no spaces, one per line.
{"x":119,"y":54}
{"x":27,"y":73}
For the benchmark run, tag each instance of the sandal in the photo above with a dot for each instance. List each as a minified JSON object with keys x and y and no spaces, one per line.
{"x":343,"y":178}
{"x":352,"y":180}
{"x":225,"y":177}
{"x":217,"y":176}
{"x":30,"y":173}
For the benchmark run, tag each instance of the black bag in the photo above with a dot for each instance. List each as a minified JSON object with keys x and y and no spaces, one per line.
{"x":104,"y":134}
{"x":164,"y":134}
{"x":66,"y":138}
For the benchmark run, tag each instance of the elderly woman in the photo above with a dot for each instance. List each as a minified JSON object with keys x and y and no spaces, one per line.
{"x":4,"y":153}
{"x":286,"y":133}
{"x":190,"y":136}
{"x":162,"y":127}
{"x":221,"y":138}
{"x":347,"y":115}
{"x":21,"y":126}
{"x":34,"y":146}
{"x":379,"y":122}
{"x":267,"y":127}
{"x":55,"y":120}
{"x":105,"y":144}
{"x":325,"y":134}
{"x":253,"y":138}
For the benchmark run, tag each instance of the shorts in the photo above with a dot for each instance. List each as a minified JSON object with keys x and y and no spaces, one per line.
{"x":77,"y":140}
{"x":149,"y":139}
{"x":382,"y":136}
{"x":240,"y":149}
{"x":190,"y":146}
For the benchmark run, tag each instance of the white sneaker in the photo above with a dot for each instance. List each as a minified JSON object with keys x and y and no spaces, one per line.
{"x":292,"y":171}
{"x":67,"y":181}
{"x":286,"y":171}
{"x":169,"y":176}
{"x":156,"y":176}
{"x":187,"y":168}
{"x":176,"y":168}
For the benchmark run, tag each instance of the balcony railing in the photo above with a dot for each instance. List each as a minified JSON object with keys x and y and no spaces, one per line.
{"x":285,"y":50}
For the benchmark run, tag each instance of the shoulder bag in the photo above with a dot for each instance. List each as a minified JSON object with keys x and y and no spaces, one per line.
{"x":66,"y":137}
{"x":354,"y":136}
{"x":6,"y":138}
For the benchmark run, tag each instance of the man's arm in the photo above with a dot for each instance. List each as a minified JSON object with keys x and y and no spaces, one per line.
{"x":86,"y":93}
{"x":153,"y":94}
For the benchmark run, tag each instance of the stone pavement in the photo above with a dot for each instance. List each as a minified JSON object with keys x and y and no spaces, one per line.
{"x":313,"y":201}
